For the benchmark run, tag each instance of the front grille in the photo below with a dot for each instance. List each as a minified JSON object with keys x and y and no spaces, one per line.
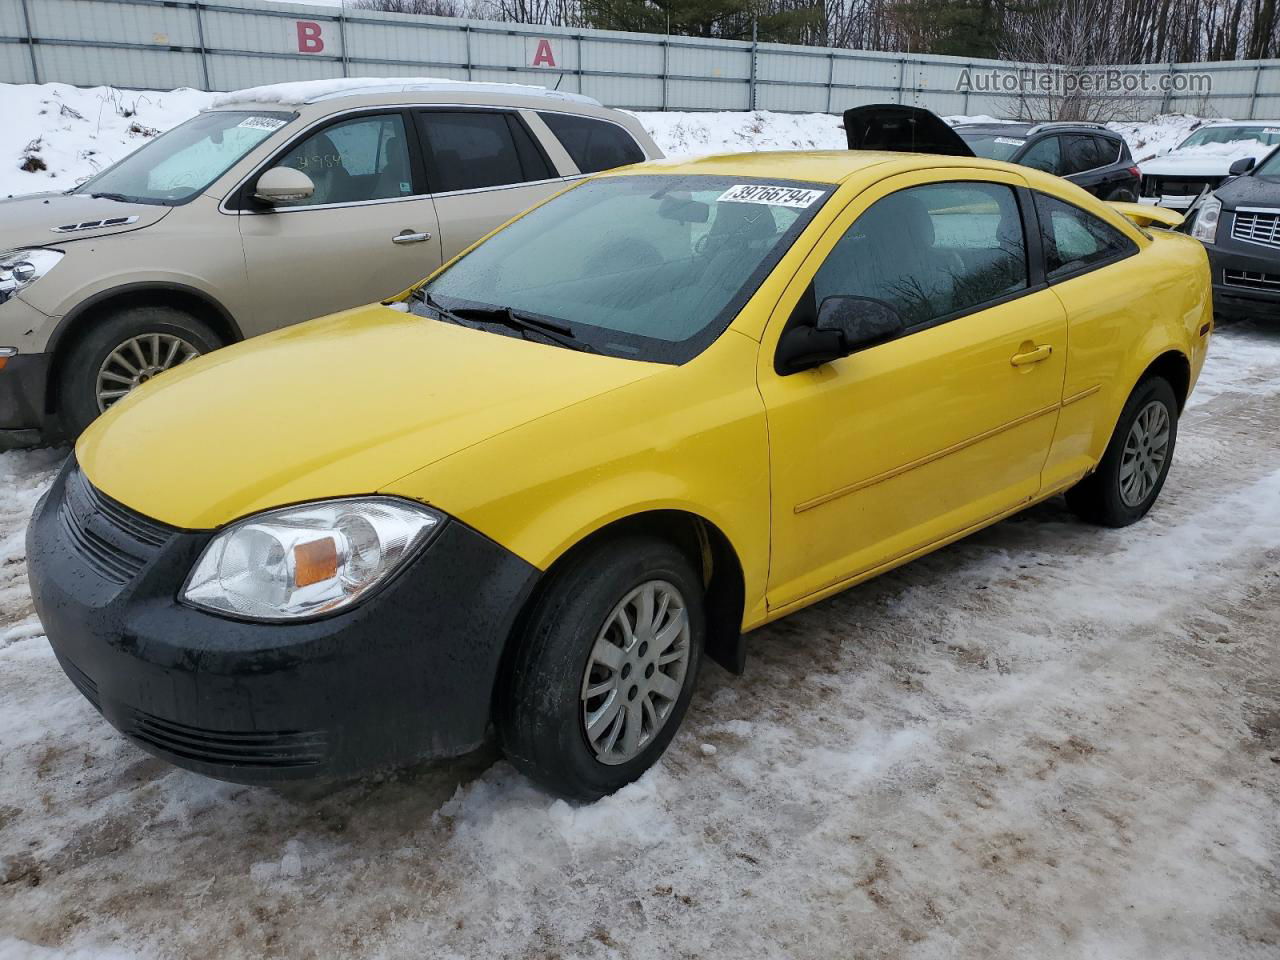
{"x":264,"y":749}
{"x":1257,"y":227}
{"x":113,"y":540}
{"x":1176,"y":186}
{"x":1252,"y":280}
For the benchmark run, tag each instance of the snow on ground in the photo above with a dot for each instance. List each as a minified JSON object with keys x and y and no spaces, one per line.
{"x":1048,"y":740}
{"x":55,"y":135}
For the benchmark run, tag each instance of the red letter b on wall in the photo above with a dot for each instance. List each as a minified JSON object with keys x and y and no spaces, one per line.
{"x":309,"y":39}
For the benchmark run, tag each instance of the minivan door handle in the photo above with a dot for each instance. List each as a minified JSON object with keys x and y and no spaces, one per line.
{"x":1040,"y":353}
{"x":408,"y":236}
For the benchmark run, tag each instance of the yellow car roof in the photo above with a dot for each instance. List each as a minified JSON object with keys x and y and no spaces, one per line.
{"x":816,"y":166}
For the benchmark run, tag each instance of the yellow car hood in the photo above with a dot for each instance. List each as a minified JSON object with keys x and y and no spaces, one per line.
{"x":342,"y":405}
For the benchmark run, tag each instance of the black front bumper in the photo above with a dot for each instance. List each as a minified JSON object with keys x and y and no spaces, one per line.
{"x":1250,"y":295}
{"x":23,"y":387}
{"x":408,"y":673}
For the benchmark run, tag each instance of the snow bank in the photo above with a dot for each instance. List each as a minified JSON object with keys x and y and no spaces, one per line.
{"x":55,"y":135}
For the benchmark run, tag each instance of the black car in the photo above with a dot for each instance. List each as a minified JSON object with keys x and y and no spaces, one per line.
{"x":1087,"y":154}
{"x":1239,"y":224}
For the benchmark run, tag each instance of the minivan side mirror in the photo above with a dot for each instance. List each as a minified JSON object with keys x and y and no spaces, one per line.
{"x":1242,"y":166}
{"x":844,"y":325}
{"x":283,"y":185}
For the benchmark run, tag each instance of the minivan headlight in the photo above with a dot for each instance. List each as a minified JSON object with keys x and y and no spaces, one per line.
{"x":1206,"y":226}
{"x":19,"y":269}
{"x":308,"y":560}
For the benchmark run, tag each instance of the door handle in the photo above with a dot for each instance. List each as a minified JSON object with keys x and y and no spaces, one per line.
{"x":1040,"y":353}
{"x":408,"y":236}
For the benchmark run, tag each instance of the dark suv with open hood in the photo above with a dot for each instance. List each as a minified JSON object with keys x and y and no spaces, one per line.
{"x":1087,"y":154}
{"x":1239,"y":224}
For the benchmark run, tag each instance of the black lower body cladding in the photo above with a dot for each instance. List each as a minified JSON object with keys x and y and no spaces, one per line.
{"x":407,"y":674}
{"x":23,"y":385}
{"x":1246,"y":280}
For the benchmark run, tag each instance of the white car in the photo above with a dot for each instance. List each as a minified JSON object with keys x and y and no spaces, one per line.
{"x":1204,"y":159}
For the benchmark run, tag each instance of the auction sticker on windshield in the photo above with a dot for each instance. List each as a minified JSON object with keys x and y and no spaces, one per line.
{"x":262,"y":123}
{"x":772,"y":194}
{"x":1010,"y":141}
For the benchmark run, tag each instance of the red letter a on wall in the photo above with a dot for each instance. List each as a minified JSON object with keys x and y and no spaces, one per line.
{"x":543,"y":56}
{"x":309,"y":39}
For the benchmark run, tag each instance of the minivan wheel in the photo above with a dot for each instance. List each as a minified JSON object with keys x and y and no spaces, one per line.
{"x":605,"y":668}
{"x":122,"y":351}
{"x":1133,"y":469}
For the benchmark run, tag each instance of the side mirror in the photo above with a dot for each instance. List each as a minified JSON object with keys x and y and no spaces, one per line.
{"x":845,"y":325}
{"x":283,"y":185}
{"x":1242,"y":166}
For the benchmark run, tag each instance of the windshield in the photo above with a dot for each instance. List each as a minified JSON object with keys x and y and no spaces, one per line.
{"x":177,"y":165}
{"x":1268,"y":135}
{"x":648,"y":267}
{"x":1270,"y":167}
{"x":992,"y":146}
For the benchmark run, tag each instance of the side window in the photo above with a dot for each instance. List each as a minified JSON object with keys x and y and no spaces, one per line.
{"x":1044,"y":155}
{"x":1074,"y":239}
{"x":593,"y":145}
{"x":1109,"y":151}
{"x":930,"y":251}
{"x":362,"y":159}
{"x":474,"y":150}
{"x":1084,"y":152}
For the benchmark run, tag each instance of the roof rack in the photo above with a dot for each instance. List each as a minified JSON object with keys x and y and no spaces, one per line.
{"x":456,"y":86}
{"x":1067,"y":123}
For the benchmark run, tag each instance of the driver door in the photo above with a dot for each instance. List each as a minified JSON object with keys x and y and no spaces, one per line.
{"x":368,"y":232}
{"x":895,"y":448}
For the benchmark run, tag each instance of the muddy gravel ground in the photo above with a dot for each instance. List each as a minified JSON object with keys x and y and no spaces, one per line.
{"x":1048,"y":740}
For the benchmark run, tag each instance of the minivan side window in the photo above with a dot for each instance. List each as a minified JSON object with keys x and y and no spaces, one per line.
{"x":593,"y":145}
{"x":471,"y":150}
{"x":931,"y":252}
{"x":1075,"y":240}
{"x":366,"y":158}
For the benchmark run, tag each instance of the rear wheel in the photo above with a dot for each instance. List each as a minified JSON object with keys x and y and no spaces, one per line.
{"x":1133,"y":469}
{"x":121,"y":352}
{"x":606,"y":668}
{"x":1122,"y":195}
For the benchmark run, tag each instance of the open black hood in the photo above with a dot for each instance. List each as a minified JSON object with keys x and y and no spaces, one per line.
{"x":901,"y":129}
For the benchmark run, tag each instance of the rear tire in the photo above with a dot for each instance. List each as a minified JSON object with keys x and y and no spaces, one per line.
{"x":90,"y":376}
{"x":1132,"y":472}
{"x":552,"y":727}
{"x":1122,"y":195}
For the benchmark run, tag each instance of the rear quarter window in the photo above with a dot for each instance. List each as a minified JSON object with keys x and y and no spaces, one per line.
{"x":593,"y":145}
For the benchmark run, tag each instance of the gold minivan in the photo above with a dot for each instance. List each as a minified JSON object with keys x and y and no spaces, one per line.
{"x":276,"y":205}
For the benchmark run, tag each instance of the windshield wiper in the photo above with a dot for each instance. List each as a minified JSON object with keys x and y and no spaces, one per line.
{"x":112,"y":196}
{"x":558,"y":333}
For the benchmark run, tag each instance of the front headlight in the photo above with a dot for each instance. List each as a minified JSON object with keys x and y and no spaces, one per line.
{"x":308,"y":560}
{"x":1206,"y":226}
{"x":19,"y":269}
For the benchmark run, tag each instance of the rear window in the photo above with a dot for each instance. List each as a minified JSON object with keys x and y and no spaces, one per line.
{"x":593,"y":145}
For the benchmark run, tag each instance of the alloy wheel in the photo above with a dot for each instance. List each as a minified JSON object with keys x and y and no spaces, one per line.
{"x":136,"y":361}
{"x":635,"y":672}
{"x":1145,"y":450}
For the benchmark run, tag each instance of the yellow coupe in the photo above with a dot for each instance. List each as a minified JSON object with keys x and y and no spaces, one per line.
{"x":665,"y":407}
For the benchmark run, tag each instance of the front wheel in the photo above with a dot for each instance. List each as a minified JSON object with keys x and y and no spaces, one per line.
{"x":1133,"y":469}
{"x":605,"y":669}
{"x":122,"y":351}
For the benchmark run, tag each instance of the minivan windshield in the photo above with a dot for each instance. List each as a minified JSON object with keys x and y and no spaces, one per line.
{"x":1263,"y":134}
{"x":651,"y":267}
{"x":177,"y":165}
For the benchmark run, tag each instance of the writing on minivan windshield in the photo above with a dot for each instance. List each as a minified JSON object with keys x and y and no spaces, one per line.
{"x":651,"y":267}
{"x":177,"y":165}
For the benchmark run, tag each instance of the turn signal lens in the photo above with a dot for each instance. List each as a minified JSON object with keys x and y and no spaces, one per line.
{"x":309,"y":560}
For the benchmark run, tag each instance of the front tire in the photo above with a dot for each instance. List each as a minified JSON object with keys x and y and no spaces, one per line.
{"x":122,"y":351}
{"x":1132,"y":472}
{"x":606,"y":668}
